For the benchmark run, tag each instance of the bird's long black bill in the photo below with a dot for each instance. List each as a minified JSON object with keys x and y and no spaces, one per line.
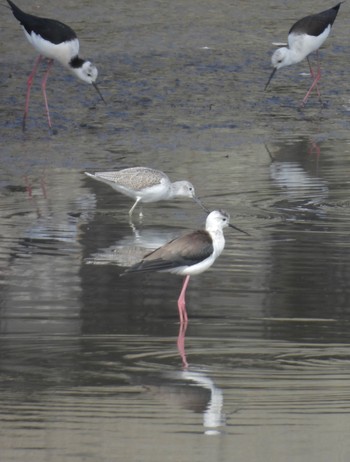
{"x":201,"y":205}
{"x":238,"y":229}
{"x":98,"y":91}
{"x":272,"y":74}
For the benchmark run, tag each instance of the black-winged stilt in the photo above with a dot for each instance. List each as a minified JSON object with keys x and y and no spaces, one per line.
{"x":304,"y":37}
{"x":55,"y":41}
{"x":189,"y":255}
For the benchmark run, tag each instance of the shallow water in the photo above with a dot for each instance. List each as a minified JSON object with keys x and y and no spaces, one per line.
{"x":92,"y":365}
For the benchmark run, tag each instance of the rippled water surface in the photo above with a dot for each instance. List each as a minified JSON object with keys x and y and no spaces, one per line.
{"x":94,"y":366}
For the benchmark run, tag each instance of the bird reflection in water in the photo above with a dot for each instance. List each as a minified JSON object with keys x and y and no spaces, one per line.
{"x":212,"y":408}
{"x":130,"y":249}
{"x":314,"y":148}
{"x":192,"y":390}
{"x":302,"y":189}
{"x":181,"y":343}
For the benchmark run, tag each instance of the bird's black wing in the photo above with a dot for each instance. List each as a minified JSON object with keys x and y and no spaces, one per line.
{"x":49,"y":29}
{"x":183,"y":251}
{"x":315,"y":24}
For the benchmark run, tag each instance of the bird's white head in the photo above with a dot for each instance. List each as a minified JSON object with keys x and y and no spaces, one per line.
{"x":183,"y":189}
{"x":217,"y":219}
{"x":281,"y":58}
{"x":87,"y":72}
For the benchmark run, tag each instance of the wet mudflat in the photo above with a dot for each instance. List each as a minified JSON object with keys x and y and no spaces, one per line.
{"x":90,"y":364}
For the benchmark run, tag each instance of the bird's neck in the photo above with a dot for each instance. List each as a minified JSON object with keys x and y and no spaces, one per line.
{"x":218,"y":238}
{"x":174,"y":190}
{"x":294,"y":55}
{"x":75,"y":63}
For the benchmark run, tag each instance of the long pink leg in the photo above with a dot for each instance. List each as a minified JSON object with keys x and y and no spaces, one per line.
{"x":313,"y":85}
{"x":313,"y":75}
{"x":181,"y":303}
{"x":29,"y":86}
{"x":43,"y":87}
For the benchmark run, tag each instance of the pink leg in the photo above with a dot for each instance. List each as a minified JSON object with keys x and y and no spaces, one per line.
{"x":181,"y":303}
{"x":43,"y":186}
{"x":29,"y":86}
{"x":30,"y":195}
{"x":313,"y":75}
{"x":314,"y":148}
{"x":43,"y":87}
{"x":28,"y":187}
{"x":313,"y":85}
{"x":181,"y":344}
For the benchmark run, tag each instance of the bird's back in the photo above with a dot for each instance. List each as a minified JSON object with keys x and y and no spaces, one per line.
{"x":135,"y":178}
{"x":315,"y":24}
{"x":179,"y":253}
{"x":49,"y":29}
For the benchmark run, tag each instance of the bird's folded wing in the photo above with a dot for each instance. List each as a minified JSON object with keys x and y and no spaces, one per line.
{"x":183,"y":251}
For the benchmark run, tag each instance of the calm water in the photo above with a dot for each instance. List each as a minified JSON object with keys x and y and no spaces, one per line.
{"x":92,"y":364}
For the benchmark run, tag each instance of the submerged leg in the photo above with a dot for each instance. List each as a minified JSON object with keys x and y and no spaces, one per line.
{"x":181,"y":303}
{"x":29,"y":86}
{"x":181,"y":344}
{"x":43,"y":87}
